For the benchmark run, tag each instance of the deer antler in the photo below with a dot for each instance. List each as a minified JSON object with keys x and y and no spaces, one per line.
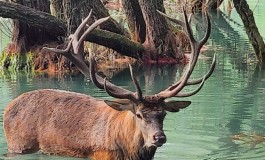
{"x":111,"y":89}
{"x":76,"y":43}
{"x":76,"y":56}
{"x":174,"y":90}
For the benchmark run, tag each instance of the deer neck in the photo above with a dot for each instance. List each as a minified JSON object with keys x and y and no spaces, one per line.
{"x":132,"y":140}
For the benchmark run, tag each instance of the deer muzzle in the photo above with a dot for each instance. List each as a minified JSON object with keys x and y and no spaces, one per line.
{"x":159,"y":139}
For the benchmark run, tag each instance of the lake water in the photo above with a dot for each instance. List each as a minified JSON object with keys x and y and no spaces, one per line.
{"x":225,"y":120}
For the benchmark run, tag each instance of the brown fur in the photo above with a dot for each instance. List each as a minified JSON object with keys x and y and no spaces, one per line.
{"x":73,"y":124}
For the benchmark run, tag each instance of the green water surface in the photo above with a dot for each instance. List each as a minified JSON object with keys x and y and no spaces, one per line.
{"x":226,"y":119}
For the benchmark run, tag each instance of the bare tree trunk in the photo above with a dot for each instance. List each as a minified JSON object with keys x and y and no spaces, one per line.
{"x":254,"y":36}
{"x":159,"y":41}
{"x":72,"y":10}
{"x":57,"y":8}
{"x":25,"y":36}
{"x":197,"y":5}
{"x":99,"y":11}
{"x":135,"y":19}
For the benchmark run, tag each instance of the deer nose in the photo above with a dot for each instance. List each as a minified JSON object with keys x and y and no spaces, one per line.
{"x":160,"y":139}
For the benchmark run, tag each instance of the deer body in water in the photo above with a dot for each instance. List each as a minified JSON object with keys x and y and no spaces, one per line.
{"x":68,"y":123}
{"x":73,"y":124}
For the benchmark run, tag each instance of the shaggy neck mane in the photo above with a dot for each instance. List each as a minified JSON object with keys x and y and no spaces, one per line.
{"x":130,"y":138}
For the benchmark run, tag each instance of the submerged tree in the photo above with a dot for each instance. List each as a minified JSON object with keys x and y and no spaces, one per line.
{"x":252,"y":31}
{"x":150,"y":38}
{"x":198,"y":5}
{"x":248,"y":20}
{"x":214,"y":4}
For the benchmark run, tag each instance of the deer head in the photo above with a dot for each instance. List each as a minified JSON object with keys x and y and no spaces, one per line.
{"x":149,"y":111}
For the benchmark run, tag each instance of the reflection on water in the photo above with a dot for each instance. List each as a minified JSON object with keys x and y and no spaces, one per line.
{"x":225,"y":121}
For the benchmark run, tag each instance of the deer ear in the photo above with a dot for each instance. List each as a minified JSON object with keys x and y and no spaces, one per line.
{"x":121,"y":105}
{"x":175,"y":106}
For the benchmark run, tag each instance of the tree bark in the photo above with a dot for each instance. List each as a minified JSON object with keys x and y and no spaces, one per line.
{"x":33,"y":17}
{"x":197,"y":5}
{"x":61,"y":9}
{"x":115,"y":41}
{"x":56,"y":8}
{"x":99,"y":11}
{"x":214,"y":4}
{"x":159,"y":42}
{"x":135,"y":19}
{"x":252,"y":31}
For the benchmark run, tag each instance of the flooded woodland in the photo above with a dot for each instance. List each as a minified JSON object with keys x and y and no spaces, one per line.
{"x":225,"y":119}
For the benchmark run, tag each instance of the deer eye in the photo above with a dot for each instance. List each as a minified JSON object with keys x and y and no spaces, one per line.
{"x":139,"y":116}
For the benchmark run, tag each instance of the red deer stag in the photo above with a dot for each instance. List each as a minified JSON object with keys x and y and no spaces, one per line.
{"x":73,"y":124}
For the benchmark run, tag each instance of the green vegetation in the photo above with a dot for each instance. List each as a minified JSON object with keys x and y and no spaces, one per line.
{"x":17,"y":62}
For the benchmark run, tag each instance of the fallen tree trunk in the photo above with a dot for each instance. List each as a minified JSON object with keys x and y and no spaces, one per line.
{"x":33,"y":17}
{"x":115,"y":41}
{"x":58,"y":27}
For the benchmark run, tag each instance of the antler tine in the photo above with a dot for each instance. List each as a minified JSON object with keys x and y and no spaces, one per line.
{"x":136,"y":84}
{"x":177,"y":88}
{"x":195,"y":50}
{"x":92,"y":72}
{"x":77,"y":43}
{"x":192,"y":92}
{"x":208,"y":31}
{"x":199,"y":80}
{"x":207,"y":75}
{"x":110,"y":88}
{"x":188,"y":28}
{"x":91,"y":28}
{"x":182,"y":24}
{"x":125,"y":95}
{"x":76,"y":58}
{"x":82,"y":25}
{"x":200,"y":44}
{"x":73,"y":37}
{"x":60,"y":51}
